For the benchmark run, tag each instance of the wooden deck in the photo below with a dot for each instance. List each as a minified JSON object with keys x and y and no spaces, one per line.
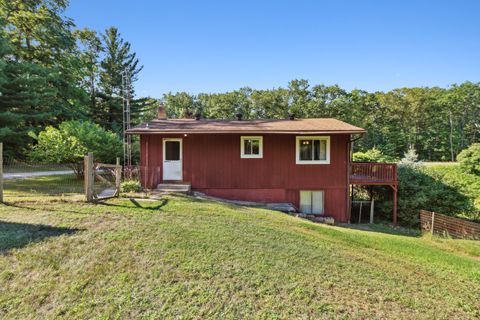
{"x":372,"y":173}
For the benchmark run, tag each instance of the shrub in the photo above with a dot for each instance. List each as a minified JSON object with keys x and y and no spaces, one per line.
{"x":470,"y":159}
{"x":372,"y":155}
{"x":68,"y":143}
{"x":130,"y":186}
{"x":410,"y":158}
{"x":431,"y":189}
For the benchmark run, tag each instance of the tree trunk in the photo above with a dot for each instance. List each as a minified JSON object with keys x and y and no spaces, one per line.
{"x":451,"y":138}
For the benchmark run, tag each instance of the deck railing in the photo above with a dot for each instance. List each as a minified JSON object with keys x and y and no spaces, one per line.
{"x":373,"y":173}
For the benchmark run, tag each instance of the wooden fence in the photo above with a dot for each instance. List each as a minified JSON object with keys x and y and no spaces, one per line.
{"x":93,"y":172}
{"x":446,"y":225}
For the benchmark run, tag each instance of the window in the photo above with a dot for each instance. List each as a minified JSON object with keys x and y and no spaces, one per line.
{"x":251,"y":147}
{"x":313,"y":150}
{"x":172,"y":150}
{"x":311,"y":202}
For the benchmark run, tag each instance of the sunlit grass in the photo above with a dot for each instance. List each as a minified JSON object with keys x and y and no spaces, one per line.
{"x":182,"y":257}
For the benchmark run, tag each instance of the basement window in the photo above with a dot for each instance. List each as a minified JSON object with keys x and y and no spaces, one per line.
{"x":251,"y":147}
{"x":313,"y":150}
{"x":311,"y":202}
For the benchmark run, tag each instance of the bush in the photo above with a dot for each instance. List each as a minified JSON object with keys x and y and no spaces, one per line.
{"x":470,"y":159}
{"x":130,"y":186}
{"x":432,"y":189}
{"x":68,"y":144}
{"x":410,"y":158}
{"x":372,"y":155}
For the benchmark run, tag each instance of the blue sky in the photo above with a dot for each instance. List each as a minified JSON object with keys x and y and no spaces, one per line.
{"x":217,"y":46}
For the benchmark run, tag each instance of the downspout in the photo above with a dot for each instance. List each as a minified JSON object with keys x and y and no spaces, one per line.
{"x":351,"y":144}
{"x":349,"y":161}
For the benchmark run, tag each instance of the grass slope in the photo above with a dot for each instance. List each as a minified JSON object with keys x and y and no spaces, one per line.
{"x":188,"y":258}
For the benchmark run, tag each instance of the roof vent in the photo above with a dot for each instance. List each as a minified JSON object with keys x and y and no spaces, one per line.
{"x":239,"y":116}
{"x":198,"y":116}
{"x":161,"y":113}
{"x":291,"y":116}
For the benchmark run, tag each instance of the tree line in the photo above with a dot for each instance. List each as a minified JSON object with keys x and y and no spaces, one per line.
{"x":437,"y":122}
{"x":51,"y":72}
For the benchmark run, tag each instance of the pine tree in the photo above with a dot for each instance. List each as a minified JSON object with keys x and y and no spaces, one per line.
{"x":41,"y":78}
{"x":118,"y":57}
{"x":91,"y":46}
{"x":410,"y":158}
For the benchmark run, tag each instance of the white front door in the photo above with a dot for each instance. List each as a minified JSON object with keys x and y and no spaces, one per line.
{"x":172,"y":159}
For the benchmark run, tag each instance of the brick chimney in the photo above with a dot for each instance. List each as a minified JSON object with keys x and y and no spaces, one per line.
{"x":161,"y":113}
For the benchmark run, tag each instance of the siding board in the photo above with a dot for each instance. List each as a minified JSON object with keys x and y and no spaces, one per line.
{"x":212,"y":164}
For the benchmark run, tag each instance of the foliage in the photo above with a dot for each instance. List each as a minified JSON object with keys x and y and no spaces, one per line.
{"x":55,"y":146}
{"x":436,"y":122}
{"x":50,"y":72}
{"x":372,"y":155}
{"x":42,"y":79}
{"x":444,"y":189}
{"x":466,"y":184}
{"x":72,"y":140}
{"x":130,"y":186}
{"x":470,"y":159}
{"x":410,"y":158}
{"x":128,"y":259}
{"x":118,"y":58}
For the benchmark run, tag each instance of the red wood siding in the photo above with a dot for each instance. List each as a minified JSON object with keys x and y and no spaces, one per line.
{"x":212,"y":164}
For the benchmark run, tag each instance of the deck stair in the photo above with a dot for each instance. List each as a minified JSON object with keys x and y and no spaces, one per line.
{"x":174,"y":188}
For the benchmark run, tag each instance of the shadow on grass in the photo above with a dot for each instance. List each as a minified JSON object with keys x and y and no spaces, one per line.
{"x":49,"y":208}
{"x":17,"y":235}
{"x":163,"y":202}
{"x":380,"y":228}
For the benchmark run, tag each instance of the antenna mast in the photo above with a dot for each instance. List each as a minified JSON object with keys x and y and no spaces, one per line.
{"x":127,"y":139}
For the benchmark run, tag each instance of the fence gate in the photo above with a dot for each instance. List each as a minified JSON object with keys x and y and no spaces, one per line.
{"x":102,"y":180}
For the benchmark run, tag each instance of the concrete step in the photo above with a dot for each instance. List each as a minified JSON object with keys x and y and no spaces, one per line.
{"x":174,"y":187}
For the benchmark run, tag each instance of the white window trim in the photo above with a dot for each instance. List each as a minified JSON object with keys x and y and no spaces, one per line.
{"x":251,"y":156}
{"x":297,"y":150}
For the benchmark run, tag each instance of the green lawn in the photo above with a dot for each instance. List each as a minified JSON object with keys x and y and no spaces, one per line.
{"x":67,"y":185}
{"x":187,"y":258}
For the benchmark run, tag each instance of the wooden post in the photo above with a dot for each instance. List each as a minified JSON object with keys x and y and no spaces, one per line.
{"x":372,"y":204}
{"x":88,"y":176}
{"x":433,"y":221}
{"x":118,"y":176}
{"x":1,"y":172}
{"x":360,"y":213}
{"x":394,"y":205}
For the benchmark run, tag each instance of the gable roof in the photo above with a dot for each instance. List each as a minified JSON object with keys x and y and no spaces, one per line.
{"x":297,"y":126}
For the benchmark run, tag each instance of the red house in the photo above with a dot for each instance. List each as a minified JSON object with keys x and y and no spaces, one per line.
{"x":305,"y":162}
